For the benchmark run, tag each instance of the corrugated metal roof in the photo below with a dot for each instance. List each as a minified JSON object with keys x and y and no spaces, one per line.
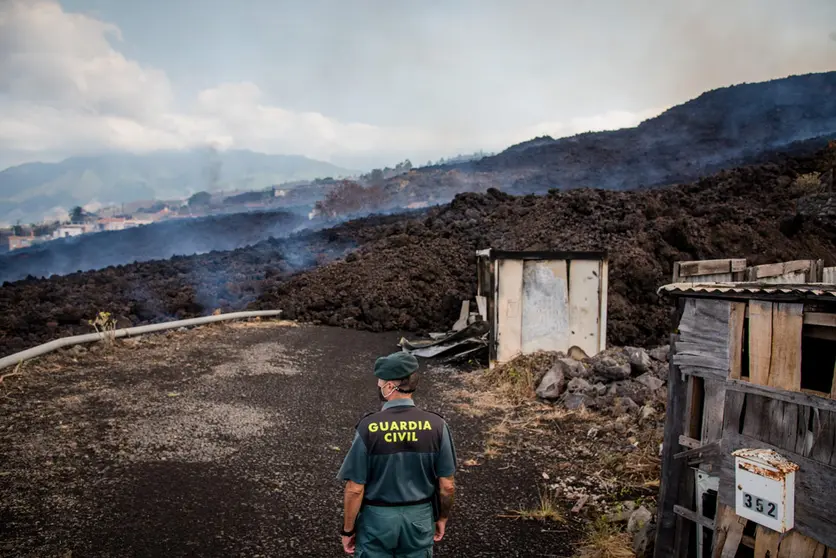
{"x":806,"y":290}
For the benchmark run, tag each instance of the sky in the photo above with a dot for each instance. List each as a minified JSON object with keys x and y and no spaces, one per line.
{"x":365,"y":83}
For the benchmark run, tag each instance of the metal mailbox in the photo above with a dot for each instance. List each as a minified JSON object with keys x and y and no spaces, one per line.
{"x":765,"y":488}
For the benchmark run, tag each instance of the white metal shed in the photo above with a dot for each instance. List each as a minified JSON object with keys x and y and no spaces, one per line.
{"x":543,"y":301}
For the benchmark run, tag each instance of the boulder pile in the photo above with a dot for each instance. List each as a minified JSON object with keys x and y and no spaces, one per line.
{"x":626,"y":382}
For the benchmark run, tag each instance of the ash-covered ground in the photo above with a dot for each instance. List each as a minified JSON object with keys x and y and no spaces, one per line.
{"x":226,"y":441}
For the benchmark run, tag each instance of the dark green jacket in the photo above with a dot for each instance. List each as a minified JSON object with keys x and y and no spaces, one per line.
{"x":398,"y":453}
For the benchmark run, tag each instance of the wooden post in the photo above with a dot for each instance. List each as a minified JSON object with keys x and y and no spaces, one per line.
{"x":673,"y":470}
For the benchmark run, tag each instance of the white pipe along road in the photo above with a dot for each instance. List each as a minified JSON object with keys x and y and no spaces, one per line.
{"x":56,"y":344}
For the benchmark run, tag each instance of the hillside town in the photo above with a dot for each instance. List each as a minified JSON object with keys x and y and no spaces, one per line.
{"x":80,"y":221}
{"x":25,"y":236}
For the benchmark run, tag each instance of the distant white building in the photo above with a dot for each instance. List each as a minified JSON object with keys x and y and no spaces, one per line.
{"x":18,"y":242}
{"x":65,"y":231}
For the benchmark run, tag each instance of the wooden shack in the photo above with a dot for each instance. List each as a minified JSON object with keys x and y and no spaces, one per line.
{"x":752,"y":368}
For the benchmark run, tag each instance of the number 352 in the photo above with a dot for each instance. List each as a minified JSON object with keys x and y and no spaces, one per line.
{"x":760,"y":505}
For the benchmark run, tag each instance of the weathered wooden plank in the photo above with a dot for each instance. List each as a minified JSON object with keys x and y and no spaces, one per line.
{"x":704,"y":337}
{"x":673,"y":471}
{"x":785,"y":363}
{"x":804,"y":435}
{"x":735,"y":403}
{"x":820,"y":319}
{"x":814,"y":484}
{"x":760,"y":341}
{"x":789,"y":396}
{"x":816,"y":272}
{"x":766,"y":542}
{"x":795,"y":278}
{"x":686,"y":499}
{"x":772,"y":420}
{"x":708,"y":267}
{"x":482,"y":306}
{"x":692,"y":419}
{"x":689,"y":442}
{"x":778,"y":269}
{"x":796,"y":545}
{"x":696,"y":452}
{"x":824,"y":432}
{"x":754,"y":423}
{"x":724,"y":519}
{"x":706,"y":373}
{"x":733,"y":537}
{"x":691,"y":515}
{"x":737,"y":316}
{"x":785,"y":436}
{"x":712,"y":416}
{"x":833,"y":383}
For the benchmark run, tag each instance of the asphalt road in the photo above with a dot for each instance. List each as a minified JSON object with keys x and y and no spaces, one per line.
{"x":224,"y":441}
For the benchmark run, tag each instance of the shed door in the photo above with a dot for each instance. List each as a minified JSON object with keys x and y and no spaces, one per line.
{"x":585,"y":305}
{"x":545,"y":306}
{"x":509,"y":274}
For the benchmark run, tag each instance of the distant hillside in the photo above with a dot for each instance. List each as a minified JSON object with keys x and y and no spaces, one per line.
{"x":719,"y":129}
{"x":29,"y":191}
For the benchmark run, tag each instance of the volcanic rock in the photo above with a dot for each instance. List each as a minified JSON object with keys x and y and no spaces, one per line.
{"x":650,"y":381}
{"x":610,"y":369}
{"x":551,"y":386}
{"x":660,"y":353}
{"x":575,"y":401}
{"x":578,"y":385}
{"x":639,"y":360}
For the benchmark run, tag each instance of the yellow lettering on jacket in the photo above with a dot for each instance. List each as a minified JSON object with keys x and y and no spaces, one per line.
{"x":400,"y":431}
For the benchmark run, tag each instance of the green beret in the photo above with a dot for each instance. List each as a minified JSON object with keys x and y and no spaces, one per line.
{"x":395,"y":366}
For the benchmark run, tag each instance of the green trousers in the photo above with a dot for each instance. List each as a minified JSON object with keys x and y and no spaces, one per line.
{"x":395,"y":532}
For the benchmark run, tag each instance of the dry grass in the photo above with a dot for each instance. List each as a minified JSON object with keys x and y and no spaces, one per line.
{"x":517,"y":379}
{"x":640,"y":467}
{"x":583,"y":454}
{"x":548,"y":509}
{"x":605,"y":540}
{"x":810,"y":182}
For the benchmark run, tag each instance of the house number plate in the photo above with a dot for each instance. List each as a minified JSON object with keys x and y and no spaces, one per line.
{"x":767,"y":508}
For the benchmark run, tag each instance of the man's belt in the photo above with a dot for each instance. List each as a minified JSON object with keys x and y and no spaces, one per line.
{"x":381,"y":503}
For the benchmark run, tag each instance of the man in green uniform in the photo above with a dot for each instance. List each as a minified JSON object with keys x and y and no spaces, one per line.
{"x":399,"y":471}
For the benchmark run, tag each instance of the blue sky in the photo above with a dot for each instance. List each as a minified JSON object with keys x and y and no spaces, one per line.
{"x":363,"y":82}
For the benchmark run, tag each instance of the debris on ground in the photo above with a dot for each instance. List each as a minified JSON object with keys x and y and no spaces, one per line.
{"x":468,"y":342}
{"x":594,"y":428}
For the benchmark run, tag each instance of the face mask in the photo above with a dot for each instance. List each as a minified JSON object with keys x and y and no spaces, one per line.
{"x":380,"y":393}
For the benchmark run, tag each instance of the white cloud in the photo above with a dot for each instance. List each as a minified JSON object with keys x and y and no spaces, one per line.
{"x":65,"y":90}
